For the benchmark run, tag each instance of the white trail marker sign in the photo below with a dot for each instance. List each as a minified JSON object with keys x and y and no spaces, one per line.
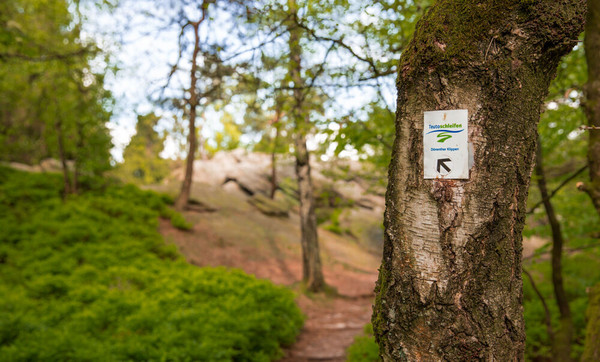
{"x":445,"y":142}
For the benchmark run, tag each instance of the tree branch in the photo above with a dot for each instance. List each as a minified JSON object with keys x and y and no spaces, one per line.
{"x":547,"y":317}
{"x":46,"y":57}
{"x":318,"y":73}
{"x":376,"y":72}
{"x":562,"y":184}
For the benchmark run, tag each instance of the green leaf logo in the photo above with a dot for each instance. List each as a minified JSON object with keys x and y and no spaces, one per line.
{"x":443,"y":136}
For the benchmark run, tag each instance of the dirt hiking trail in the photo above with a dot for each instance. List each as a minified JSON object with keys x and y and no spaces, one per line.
{"x":235,"y":235}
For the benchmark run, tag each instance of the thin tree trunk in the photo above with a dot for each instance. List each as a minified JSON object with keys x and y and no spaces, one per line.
{"x":84,"y":93}
{"x":61,"y":152}
{"x":77,"y":161}
{"x":592,"y":103}
{"x":63,"y":158}
{"x":547,"y":315}
{"x":186,"y":186}
{"x":276,"y":124}
{"x":450,"y":285}
{"x":312,"y":274}
{"x":561,"y":346}
{"x":202,"y":153}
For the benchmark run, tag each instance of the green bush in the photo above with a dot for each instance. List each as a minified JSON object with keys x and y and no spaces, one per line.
{"x":364,"y":348}
{"x":577,"y":276}
{"x":334,"y":225}
{"x":90,"y":278}
{"x":176,"y":218}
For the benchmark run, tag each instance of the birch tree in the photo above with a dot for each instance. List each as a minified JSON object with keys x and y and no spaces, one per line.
{"x":592,"y":105}
{"x":450,"y":283}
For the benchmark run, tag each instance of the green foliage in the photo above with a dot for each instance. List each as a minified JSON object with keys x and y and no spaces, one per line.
{"x":177,"y":219}
{"x":90,"y":278}
{"x":334,"y":225}
{"x":364,"y":348}
{"x":227,"y":139}
{"x":564,"y":149}
{"x":265,"y":123}
{"x":571,"y":74}
{"x":141,"y":159}
{"x":48,"y":90}
{"x":385,"y":27}
{"x":578,"y":276}
{"x":372,"y":137}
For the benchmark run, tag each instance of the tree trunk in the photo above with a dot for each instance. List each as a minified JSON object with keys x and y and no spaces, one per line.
{"x":592,"y":103}
{"x":276,"y":125}
{"x":77,"y":160}
{"x":591,"y":352}
{"x":450,"y":284}
{"x":312,"y":274}
{"x":61,"y":153}
{"x":561,"y":344}
{"x":186,"y":186}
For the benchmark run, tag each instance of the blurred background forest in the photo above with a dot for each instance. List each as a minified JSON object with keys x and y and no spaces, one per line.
{"x":149,"y":195}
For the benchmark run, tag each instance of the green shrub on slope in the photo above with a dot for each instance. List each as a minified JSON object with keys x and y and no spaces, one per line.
{"x":364,"y":348}
{"x":92,"y":279}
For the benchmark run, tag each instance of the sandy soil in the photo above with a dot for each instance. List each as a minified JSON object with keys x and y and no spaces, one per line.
{"x":332,"y":322}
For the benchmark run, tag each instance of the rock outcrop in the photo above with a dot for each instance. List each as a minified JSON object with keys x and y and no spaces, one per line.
{"x":347,"y":201}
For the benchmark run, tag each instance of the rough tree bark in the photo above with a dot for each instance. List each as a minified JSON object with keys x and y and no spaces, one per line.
{"x":192,"y":102}
{"x":561,"y":340}
{"x":591,"y":352}
{"x":450,"y":284}
{"x":312,"y":274}
{"x":592,"y":103}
